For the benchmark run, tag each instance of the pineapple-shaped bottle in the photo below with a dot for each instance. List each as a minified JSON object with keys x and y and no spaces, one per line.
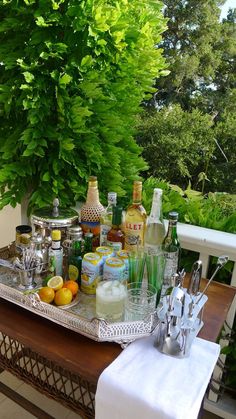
{"x":91,"y":211}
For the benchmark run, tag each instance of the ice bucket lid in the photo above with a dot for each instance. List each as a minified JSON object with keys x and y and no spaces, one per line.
{"x":53,"y":217}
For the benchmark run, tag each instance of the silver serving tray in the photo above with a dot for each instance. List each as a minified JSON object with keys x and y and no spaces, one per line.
{"x":79,"y":316}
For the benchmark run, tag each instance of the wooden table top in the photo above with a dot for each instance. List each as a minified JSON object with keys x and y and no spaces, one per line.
{"x":86,"y":357}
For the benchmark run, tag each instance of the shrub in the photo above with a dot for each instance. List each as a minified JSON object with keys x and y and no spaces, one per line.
{"x":72,"y":77}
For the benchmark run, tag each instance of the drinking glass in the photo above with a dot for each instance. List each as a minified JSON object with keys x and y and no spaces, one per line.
{"x":110,"y":299}
{"x":136,"y":267}
{"x":140,"y":303}
{"x":155,"y":265}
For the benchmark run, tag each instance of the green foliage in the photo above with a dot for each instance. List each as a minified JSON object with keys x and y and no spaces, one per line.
{"x":177,"y":144}
{"x":214,"y":210}
{"x":200,"y":51}
{"x":72,"y":77}
{"x":189,"y":46}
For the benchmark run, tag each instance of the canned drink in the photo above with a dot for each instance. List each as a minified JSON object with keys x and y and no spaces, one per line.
{"x":124,"y":255}
{"x":90,"y":273}
{"x":104,"y":252}
{"x":114,"y":269}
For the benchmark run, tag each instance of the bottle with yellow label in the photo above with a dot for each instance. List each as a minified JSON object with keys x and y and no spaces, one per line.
{"x":55,"y":254}
{"x":135,"y":220}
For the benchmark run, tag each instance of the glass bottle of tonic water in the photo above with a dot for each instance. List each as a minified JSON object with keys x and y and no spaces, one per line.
{"x":171,"y":249}
{"x":135,"y":220}
{"x":155,"y":229}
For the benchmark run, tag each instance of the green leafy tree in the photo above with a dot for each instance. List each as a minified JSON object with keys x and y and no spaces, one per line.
{"x":189,"y":45}
{"x":72,"y":77}
{"x":222,"y":100}
{"x":201,"y":54}
{"x":177,"y":144}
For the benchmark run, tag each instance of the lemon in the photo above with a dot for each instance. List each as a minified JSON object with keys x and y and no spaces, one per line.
{"x":56,"y":282}
{"x":46,"y":294}
{"x":63,"y":296}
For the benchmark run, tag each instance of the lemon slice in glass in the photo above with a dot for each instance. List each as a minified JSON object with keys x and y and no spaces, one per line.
{"x":56,"y":283}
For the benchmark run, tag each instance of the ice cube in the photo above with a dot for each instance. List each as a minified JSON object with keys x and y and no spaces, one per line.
{"x":106,"y":285}
{"x":115,"y":292}
{"x":116,"y":283}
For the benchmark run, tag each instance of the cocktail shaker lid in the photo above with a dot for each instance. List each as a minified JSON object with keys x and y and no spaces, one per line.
{"x":54,"y":217}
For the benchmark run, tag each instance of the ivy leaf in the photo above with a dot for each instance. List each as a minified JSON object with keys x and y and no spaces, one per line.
{"x":65,"y":79}
{"x":86,"y":61}
{"x":46,"y":177}
{"x":29,"y":77}
{"x":41,"y":22}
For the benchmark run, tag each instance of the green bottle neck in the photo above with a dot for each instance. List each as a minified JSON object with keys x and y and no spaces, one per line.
{"x":76,"y":248}
{"x":172,"y":236}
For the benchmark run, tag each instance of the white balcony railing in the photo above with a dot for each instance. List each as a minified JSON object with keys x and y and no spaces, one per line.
{"x":208,"y":243}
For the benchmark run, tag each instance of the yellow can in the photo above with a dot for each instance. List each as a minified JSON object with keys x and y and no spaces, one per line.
{"x":90,"y":273}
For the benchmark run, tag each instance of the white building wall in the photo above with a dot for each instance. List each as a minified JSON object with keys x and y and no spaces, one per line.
{"x":9,"y":219}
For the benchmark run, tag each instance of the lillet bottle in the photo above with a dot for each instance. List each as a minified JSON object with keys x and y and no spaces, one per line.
{"x":135,"y":220}
{"x":91,"y":211}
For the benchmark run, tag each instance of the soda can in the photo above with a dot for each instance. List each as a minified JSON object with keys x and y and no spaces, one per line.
{"x":114,"y":269}
{"x":124,"y":255}
{"x":90,"y":272}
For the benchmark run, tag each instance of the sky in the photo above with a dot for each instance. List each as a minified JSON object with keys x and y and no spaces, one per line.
{"x":227,"y":5}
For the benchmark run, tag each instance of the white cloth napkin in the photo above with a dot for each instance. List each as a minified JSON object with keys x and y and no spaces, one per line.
{"x":143,"y":383}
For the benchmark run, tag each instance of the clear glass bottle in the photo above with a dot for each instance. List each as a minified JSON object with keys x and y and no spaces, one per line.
{"x":106,"y":218}
{"x":155,"y":229}
{"x":116,"y":237}
{"x":56,"y":253}
{"x":171,"y":249}
{"x":135,"y":220}
{"x":91,"y":211}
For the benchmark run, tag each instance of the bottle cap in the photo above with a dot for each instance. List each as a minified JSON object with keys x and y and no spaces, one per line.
{"x":112,"y":197}
{"x":93,"y":181}
{"x":137,"y":191}
{"x":56,"y":235}
{"x":138,"y":184}
{"x":173,"y":215}
{"x":158,"y":191}
{"x":88,"y":234}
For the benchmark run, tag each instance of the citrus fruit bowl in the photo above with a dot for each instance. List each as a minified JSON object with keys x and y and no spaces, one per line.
{"x":58,"y":292}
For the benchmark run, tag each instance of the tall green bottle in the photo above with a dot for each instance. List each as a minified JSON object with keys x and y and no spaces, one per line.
{"x":171,"y":249}
{"x":75,"y":261}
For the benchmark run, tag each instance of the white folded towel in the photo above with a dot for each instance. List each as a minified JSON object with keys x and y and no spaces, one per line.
{"x":143,"y":383}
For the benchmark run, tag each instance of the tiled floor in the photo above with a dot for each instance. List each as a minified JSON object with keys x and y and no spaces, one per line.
{"x":10,"y":410}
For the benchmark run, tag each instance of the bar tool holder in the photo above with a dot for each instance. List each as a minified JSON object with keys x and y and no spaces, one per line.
{"x":180,"y":313}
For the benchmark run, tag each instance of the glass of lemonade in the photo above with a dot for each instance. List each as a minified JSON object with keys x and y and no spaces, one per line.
{"x":110,"y":299}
